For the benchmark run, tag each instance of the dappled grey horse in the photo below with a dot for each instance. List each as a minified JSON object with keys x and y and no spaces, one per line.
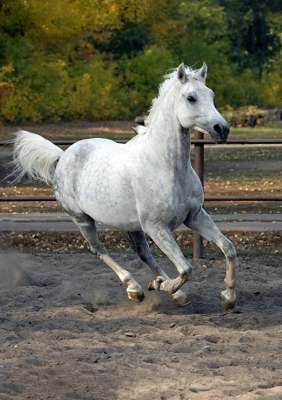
{"x":147,"y":185}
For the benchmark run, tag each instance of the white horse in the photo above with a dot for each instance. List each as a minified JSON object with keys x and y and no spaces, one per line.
{"x":147,"y":185}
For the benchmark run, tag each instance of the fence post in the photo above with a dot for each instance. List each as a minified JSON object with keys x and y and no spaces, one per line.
{"x":198,"y":249}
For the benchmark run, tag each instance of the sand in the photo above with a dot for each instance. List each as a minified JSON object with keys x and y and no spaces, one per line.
{"x":68,"y":331}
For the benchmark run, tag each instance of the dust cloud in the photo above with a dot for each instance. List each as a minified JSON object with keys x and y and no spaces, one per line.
{"x":12,"y":273}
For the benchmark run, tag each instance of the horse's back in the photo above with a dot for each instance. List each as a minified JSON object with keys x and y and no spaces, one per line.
{"x":75,"y":158}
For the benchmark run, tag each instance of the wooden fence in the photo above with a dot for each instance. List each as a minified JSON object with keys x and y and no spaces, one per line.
{"x":199,"y":147}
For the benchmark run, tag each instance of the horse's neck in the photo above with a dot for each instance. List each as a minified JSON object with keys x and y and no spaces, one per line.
{"x":171,"y":141}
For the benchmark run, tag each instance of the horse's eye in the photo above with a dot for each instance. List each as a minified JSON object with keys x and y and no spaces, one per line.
{"x":191,"y":99}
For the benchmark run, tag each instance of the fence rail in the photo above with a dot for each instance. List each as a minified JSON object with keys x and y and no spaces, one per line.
{"x":253,"y":198}
{"x":199,"y":146}
{"x":199,"y":140}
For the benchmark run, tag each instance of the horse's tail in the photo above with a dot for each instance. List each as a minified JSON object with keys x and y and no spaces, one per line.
{"x":35,"y":156}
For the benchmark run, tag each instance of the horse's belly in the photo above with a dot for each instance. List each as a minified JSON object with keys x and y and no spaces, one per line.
{"x":121,"y":215}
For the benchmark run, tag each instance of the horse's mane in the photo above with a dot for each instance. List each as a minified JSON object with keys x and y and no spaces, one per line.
{"x":169,"y":81}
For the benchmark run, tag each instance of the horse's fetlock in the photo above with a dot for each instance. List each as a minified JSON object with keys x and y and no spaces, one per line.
{"x":185,"y":275}
{"x":127,"y":279}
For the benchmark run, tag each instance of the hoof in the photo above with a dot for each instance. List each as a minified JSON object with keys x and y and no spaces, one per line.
{"x":136,"y":296}
{"x":228,"y":299}
{"x":155,"y":284}
{"x":180,"y":298}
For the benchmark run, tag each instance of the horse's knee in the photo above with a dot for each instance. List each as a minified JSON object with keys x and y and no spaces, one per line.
{"x":228,"y":248}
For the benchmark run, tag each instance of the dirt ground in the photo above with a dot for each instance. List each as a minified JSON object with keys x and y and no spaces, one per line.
{"x":68,"y":332}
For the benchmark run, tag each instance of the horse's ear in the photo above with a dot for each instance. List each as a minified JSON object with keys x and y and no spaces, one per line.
{"x":182,"y":74}
{"x":203,"y":72}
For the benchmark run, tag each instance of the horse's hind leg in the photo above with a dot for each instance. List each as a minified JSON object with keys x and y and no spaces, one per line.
{"x":141,"y":247}
{"x":202,"y":223}
{"x":87,"y":227}
{"x":163,"y":237}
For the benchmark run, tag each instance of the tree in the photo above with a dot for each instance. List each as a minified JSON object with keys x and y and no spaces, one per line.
{"x":253,"y":32}
{"x":105,"y":58}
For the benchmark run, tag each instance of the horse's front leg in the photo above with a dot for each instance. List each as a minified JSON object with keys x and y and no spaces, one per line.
{"x":164,"y":239}
{"x":202,"y":223}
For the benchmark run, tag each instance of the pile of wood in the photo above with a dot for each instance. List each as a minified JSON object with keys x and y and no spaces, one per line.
{"x":251,"y":116}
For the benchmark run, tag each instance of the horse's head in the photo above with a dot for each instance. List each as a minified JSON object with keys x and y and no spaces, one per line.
{"x":195,"y":104}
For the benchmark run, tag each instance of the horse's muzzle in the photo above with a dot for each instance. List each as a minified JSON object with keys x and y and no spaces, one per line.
{"x":220,"y":133}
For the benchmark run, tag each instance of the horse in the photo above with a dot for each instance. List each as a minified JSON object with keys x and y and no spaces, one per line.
{"x":146,"y":186}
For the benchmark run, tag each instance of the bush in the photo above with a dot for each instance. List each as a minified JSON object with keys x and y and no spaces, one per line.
{"x":140,"y":77}
{"x":272,"y":88}
{"x":17,"y":99}
{"x":52,"y":90}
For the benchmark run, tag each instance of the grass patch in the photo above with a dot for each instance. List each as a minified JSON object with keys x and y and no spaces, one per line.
{"x":261,"y":132}
{"x":254,"y":154}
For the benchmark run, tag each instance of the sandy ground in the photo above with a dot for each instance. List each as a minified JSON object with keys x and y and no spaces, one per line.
{"x":67,"y":331}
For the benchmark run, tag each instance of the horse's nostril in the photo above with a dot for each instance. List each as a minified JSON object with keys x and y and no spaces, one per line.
{"x":218,"y":129}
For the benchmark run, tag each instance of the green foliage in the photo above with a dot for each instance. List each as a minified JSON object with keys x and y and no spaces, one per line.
{"x":52,"y":90}
{"x":254,"y":32}
{"x":128,"y":41}
{"x":140,"y":78}
{"x":102,"y":59}
{"x":272,"y":85}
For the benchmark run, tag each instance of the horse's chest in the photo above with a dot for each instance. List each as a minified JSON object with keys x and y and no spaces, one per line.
{"x":179,"y":197}
{"x":178,"y":207}
{"x":174,"y":204}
